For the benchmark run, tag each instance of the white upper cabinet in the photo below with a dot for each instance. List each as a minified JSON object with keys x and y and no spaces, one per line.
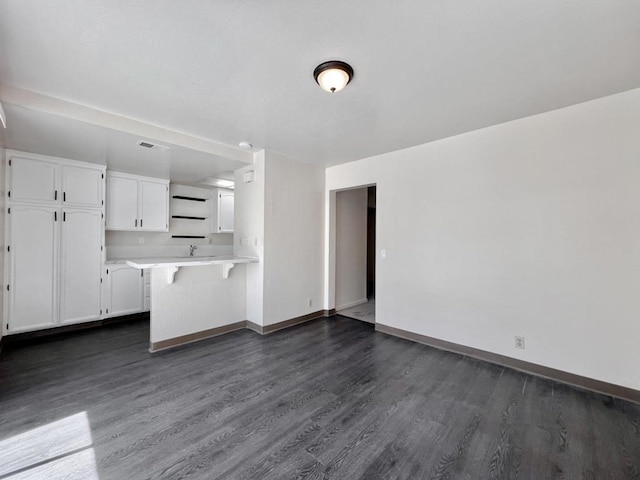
{"x":137,"y":203}
{"x":154,"y":206}
{"x":82,"y":186}
{"x":225,"y":209}
{"x":122,"y":203}
{"x":222,"y":211}
{"x":80,"y":265}
{"x":32,"y":261}
{"x":33,"y":180}
{"x":53,"y":181}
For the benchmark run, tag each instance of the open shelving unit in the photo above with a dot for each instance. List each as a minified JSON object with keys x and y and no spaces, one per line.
{"x":189,"y":209}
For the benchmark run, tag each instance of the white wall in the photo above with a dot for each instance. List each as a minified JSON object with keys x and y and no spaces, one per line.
{"x":528,"y":228}
{"x":248,"y":237}
{"x":351,"y":247}
{"x":294,"y":240}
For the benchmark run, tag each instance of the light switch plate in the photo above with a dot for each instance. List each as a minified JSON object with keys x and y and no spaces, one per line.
{"x":383,"y":254}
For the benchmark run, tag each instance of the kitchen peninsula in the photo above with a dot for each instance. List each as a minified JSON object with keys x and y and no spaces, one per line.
{"x":195,"y":297}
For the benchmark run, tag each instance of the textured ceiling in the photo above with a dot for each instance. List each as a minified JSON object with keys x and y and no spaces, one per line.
{"x":242,"y":70}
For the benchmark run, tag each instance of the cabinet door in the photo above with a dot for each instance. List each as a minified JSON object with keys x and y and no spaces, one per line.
{"x":125,"y":284}
{"x":105,"y":296}
{"x":80,"y":265}
{"x":225,"y":211}
{"x":154,"y":206}
{"x":122,"y":203}
{"x":33,"y":267}
{"x":34,"y":180}
{"x":82,"y":186}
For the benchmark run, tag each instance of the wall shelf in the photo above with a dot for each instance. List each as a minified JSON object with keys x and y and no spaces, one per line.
{"x":190,"y":212}
{"x":186,"y":217}
{"x":193,"y":199}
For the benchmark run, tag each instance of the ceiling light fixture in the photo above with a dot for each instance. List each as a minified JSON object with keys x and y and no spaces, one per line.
{"x":217,"y":182}
{"x":245,"y":145}
{"x":333,"y":76}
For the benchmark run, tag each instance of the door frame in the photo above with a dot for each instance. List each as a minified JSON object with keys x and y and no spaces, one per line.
{"x":331,"y":244}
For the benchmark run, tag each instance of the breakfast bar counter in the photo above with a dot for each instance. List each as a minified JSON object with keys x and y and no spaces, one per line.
{"x":195,"y":297}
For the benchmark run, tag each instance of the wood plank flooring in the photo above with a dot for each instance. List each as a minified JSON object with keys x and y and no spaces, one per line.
{"x":331,"y":399}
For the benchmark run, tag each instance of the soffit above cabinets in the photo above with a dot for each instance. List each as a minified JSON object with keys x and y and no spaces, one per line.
{"x":44,"y":133}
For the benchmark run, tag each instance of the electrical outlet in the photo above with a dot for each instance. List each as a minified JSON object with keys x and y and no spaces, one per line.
{"x":309,"y":302}
{"x":520,"y":342}
{"x":383,"y":254}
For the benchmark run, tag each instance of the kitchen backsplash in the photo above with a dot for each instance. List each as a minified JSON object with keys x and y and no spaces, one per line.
{"x":128,"y":244}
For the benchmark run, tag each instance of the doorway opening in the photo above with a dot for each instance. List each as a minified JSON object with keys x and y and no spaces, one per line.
{"x":356,"y":253}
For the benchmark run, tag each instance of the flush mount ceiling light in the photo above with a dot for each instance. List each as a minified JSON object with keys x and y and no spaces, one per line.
{"x":217,"y":182}
{"x":333,"y":76}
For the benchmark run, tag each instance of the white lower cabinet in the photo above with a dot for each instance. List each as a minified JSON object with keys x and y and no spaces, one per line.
{"x":80,"y":265}
{"x":125,"y":290}
{"x":55,"y":258}
{"x":32,"y":261}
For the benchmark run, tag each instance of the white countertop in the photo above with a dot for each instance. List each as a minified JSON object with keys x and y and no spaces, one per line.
{"x":188,"y":261}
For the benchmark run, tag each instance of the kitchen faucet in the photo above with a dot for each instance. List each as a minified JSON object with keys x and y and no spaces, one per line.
{"x":191,"y":249}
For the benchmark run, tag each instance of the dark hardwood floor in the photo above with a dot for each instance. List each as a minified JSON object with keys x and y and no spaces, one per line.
{"x":329,"y":399}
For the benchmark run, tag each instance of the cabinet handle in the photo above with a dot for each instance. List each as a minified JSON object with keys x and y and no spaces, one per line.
{"x":136,"y":222}
{"x":64,"y":196}
{"x":64,"y":216}
{"x":55,"y":195}
{"x":55,"y":216}
{"x":140,"y":223}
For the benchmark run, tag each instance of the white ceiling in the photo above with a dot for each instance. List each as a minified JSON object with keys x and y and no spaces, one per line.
{"x":242,"y":70}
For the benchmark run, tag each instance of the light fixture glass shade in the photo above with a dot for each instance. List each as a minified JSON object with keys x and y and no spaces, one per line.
{"x":333,"y":76}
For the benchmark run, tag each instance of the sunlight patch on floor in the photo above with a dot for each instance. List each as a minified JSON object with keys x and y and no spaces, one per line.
{"x":57,"y":450}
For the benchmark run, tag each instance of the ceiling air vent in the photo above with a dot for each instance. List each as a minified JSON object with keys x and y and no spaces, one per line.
{"x":153,"y":146}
